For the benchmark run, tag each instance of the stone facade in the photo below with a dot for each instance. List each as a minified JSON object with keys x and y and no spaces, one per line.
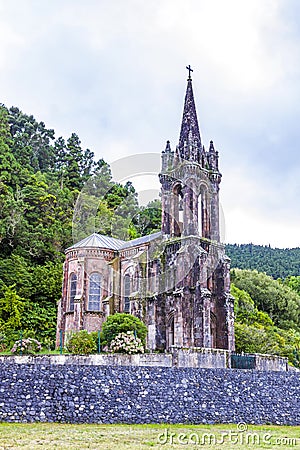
{"x":178,"y":280}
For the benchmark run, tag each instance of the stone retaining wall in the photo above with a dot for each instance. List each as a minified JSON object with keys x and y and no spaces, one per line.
{"x":205,"y":358}
{"x":106,"y":394}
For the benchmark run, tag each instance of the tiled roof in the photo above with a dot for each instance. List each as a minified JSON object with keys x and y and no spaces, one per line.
{"x":98,"y":240}
{"x":141,"y":240}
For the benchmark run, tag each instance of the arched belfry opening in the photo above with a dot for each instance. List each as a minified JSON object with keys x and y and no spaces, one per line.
{"x":200,"y":214}
{"x":204,"y":212}
{"x":177,"y":210}
{"x":190,"y":208}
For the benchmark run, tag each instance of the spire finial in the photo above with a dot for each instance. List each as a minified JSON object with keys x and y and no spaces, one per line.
{"x":190,"y":70}
{"x":168,"y":147}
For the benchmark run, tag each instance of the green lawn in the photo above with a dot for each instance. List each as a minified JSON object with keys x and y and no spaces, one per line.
{"x":134,"y":437}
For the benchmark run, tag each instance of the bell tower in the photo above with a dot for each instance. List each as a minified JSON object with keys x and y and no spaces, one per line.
{"x":190,"y":180}
{"x":195,"y":306}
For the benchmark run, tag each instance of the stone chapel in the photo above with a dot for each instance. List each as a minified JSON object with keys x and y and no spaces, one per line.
{"x":178,"y":280}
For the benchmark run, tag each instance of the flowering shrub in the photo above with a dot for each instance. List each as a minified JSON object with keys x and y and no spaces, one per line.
{"x":126,"y":343}
{"x":28,"y":346}
{"x":121,"y":323}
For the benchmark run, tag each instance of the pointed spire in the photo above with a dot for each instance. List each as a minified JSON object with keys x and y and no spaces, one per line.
{"x":167,"y":158}
{"x":189,"y":132}
{"x":213,"y":157}
{"x":168,"y":147}
{"x":211,"y":146}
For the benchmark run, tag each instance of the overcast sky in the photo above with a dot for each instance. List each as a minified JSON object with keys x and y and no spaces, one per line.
{"x":114,"y":73}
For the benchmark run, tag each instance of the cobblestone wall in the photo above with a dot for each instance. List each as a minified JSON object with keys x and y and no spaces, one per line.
{"x":120,"y":394}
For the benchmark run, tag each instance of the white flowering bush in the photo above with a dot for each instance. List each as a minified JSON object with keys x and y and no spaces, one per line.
{"x":126,"y":343}
{"x":28,"y":346}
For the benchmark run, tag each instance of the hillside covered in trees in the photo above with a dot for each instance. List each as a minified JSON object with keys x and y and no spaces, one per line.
{"x":44,"y":180}
{"x":267,"y":314}
{"x":276,"y":262}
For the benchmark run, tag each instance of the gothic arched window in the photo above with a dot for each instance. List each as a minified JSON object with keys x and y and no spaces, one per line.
{"x":127,"y":290}
{"x":200,"y":213}
{"x":73,"y":288}
{"x":94,"y":292}
{"x":177,"y":210}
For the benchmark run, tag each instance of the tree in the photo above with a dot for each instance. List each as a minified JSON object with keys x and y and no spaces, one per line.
{"x":11,"y":309}
{"x":257,"y":339}
{"x":82,"y":343}
{"x":76,"y":164}
{"x":148,"y":219}
{"x":15,"y":271}
{"x":123,"y":201}
{"x":280,"y":302}
{"x":46,"y":283}
{"x":121,"y":323}
{"x":276,"y":262}
{"x":293,"y":283}
{"x":31,"y":141}
{"x":255,"y":331}
{"x":9,"y":167}
{"x":245,"y":310}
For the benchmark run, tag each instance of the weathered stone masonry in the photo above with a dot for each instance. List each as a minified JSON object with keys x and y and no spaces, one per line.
{"x":106,"y":394}
{"x":176,"y":280}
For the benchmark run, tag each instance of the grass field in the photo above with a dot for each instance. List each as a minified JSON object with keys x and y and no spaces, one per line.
{"x":134,"y":437}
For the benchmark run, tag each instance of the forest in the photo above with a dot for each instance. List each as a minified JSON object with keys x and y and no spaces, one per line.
{"x":44,"y":179}
{"x":276,"y":262}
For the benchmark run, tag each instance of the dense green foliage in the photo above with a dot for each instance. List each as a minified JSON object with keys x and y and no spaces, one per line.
{"x":52,"y":193}
{"x":121,"y":323}
{"x":266,"y":287}
{"x":82,"y":343}
{"x":276,"y":262}
{"x":293,"y":283}
{"x":279,"y":301}
{"x":267,"y":315}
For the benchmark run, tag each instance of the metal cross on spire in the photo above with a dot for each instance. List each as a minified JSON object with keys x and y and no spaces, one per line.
{"x":190,"y":70}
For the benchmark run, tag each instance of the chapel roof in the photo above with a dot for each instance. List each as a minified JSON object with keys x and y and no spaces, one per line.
{"x":96,"y":240}
{"x":141,"y":240}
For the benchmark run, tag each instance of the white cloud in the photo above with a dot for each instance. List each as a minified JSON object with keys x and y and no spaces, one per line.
{"x":260,"y":212}
{"x":247,"y":226}
{"x":114,"y":73}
